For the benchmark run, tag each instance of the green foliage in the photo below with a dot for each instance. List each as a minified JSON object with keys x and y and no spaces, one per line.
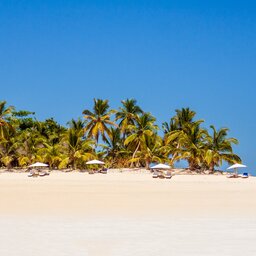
{"x":98,"y":121}
{"x":22,"y":113}
{"x":128,"y":138}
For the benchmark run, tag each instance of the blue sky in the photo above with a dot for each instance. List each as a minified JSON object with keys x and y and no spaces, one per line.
{"x":56,"y":56}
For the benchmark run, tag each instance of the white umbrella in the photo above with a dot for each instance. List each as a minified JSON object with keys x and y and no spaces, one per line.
{"x":235,"y":166}
{"x":95,"y":162}
{"x":38,"y":164}
{"x":161,"y":166}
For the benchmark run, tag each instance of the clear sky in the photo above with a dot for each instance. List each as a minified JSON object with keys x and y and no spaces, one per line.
{"x":57,"y":55}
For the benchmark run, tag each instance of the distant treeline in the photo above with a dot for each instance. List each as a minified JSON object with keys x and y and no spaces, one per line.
{"x":125,"y":137}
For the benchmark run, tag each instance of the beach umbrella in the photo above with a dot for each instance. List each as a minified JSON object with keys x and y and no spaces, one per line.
{"x":236,"y":166}
{"x":95,"y":162}
{"x":38,"y":164}
{"x":161,"y":166}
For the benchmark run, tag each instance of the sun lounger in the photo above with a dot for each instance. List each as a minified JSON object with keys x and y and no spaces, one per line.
{"x":33,"y":173}
{"x":155,"y":174}
{"x":104,"y":171}
{"x":43,"y":173}
{"x":245,"y":175}
{"x":168,"y":175}
{"x":161,"y":175}
{"x":232,"y":176}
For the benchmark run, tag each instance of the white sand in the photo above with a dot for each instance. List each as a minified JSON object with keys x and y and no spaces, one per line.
{"x":126,"y":214}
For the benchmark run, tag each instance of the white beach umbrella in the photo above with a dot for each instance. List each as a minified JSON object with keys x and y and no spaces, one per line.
{"x":38,"y":164}
{"x":161,"y":166}
{"x":95,"y":162}
{"x":236,"y":166}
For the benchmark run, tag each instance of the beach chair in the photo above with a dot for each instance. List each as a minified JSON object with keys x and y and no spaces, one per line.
{"x":33,"y":173}
{"x":161,"y":175}
{"x":104,"y":171}
{"x":91,"y":171}
{"x":232,"y":176}
{"x":168,"y":175}
{"x":155,"y":174}
{"x":245,"y":175}
{"x":43,"y":173}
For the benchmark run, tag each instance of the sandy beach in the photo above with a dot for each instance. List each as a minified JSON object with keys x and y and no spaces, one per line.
{"x":126,"y":214}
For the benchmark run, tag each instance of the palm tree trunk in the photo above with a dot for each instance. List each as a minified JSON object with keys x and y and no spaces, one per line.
{"x":147,"y":164}
{"x":212,"y":167}
{"x":175,"y":154}
{"x":134,"y":153}
{"x":191,"y":165}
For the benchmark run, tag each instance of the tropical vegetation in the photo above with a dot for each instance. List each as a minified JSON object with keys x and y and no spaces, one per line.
{"x":125,"y":137}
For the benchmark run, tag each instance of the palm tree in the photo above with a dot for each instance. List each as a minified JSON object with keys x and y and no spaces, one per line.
{"x":114,"y":143}
{"x":77,"y":149}
{"x":127,"y":114}
{"x":29,"y":142}
{"x":168,"y":127}
{"x":51,"y":154}
{"x":115,"y":151}
{"x":5,"y":112}
{"x":143,"y":129}
{"x":219,"y":148}
{"x":152,"y":151}
{"x":189,"y":144}
{"x":183,"y":138}
{"x":183,"y":117}
{"x":77,"y":125}
{"x":98,"y":121}
{"x":8,"y":146}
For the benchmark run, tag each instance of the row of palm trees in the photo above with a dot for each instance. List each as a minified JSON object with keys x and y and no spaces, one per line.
{"x":127,"y":137}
